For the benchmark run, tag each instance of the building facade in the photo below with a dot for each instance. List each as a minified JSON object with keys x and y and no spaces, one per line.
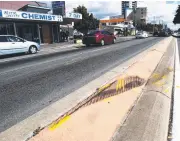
{"x":127,"y":4}
{"x":31,"y":21}
{"x":140,"y":15}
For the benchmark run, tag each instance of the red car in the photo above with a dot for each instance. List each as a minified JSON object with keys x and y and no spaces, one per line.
{"x":99,"y":37}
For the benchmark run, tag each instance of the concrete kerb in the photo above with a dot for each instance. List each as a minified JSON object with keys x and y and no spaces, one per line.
{"x":56,"y":110}
{"x":149,"y":119}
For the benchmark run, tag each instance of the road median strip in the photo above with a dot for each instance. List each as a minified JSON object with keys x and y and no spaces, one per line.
{"x":131,"y":74}
{"x":94,"y":113}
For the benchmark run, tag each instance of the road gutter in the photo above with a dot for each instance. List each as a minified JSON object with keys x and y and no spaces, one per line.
{"x":176,"y":106}
{"x":149,"y":119}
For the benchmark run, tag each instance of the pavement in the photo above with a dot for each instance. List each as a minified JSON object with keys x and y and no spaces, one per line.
{"x":174,"y":132}
{"x":100,"y":117}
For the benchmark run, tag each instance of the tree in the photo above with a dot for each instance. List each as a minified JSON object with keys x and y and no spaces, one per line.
{"x":177,"y":16}
{"x":88,"y":21}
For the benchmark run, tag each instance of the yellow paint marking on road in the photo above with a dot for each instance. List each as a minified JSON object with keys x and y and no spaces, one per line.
{"x":53,"y":126}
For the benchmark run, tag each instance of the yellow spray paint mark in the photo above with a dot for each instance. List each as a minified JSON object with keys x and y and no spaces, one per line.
{"x":159,"y":83}
{"x":155,"y":75}
{"x":170,"y":137}
{"x":177,"y":86}
{"x":104,"y":87}
{"x":164,"y":76}
{"x":170,"y":68}
{"x":166,"y":90}
{"x":135,"y":90}
{"x":120,"y":84}
{"x":107,"y":99}
{"x":53,"y":126}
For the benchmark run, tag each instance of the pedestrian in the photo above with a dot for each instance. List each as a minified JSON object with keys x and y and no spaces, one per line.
{"x":67,"y":35}
{"x":63,"y":36}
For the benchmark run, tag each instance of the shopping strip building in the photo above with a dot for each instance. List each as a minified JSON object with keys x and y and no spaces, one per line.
{"x":31,"y":21}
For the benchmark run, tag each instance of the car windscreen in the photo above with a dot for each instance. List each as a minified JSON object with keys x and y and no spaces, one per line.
{"x":91,"y":33}
{"x":140,"y":33}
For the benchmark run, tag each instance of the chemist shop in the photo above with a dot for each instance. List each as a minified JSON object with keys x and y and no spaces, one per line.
{"x":37,"y":27}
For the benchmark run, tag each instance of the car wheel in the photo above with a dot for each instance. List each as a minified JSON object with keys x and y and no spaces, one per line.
{"x":33,"y":49}
{"x":114,"y":40}
{"x":102,"y":42}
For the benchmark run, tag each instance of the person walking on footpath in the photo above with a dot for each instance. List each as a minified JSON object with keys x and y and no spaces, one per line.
{"x":67,"y":36}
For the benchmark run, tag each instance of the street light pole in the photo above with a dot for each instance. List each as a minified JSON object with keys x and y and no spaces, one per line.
{"x":134,"y":18}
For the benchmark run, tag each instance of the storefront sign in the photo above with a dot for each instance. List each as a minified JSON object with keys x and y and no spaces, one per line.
{"x":74,"y":15}
{"x":29,"y":16}
{"x":57,"y":4}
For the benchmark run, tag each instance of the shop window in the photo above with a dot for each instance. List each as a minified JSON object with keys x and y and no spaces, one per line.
{"x":10,"y":29}
{"x":3,"y":39}
{"x":6,"y":29}
{"x":3,"y":30}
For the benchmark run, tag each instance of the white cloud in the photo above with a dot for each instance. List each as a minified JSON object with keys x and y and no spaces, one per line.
{"x":106,"y":8}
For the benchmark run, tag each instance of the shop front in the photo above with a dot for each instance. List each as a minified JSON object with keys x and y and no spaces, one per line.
{"x":38,"y":27}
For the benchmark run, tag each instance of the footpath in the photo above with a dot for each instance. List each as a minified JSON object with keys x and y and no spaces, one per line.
{"x":134,"y":106}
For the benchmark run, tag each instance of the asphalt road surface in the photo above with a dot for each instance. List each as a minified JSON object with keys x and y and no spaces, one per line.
{"x":27,"y":87}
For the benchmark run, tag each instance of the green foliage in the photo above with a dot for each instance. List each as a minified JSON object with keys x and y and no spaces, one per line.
{"x":177,"y":16}
{"x":88,"y":21}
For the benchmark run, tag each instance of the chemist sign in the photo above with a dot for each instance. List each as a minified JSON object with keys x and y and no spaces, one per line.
{"x":30,"y":16}
{"x":74,"y":15}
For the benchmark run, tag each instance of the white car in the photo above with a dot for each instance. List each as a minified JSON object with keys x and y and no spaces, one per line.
{"x":10,"y":44}
{"x":142,"y":34}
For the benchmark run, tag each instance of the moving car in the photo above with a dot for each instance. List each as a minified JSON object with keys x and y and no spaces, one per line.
{"x":176,"y":34}
{"x":10,"y":44}
{"x":101,"y":37}
{"x":142,"y":34}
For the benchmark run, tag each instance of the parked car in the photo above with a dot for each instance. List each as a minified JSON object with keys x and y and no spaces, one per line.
{"x":101,"y":37}
{"x":141,"y":34}
{"x":10,"y":44}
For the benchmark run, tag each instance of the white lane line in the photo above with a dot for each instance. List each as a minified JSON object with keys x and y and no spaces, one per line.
{"x":176,"y":108}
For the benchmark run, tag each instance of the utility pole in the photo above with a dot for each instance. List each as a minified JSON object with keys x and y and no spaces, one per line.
{"x":153,"y":24}
{"x":134,"y":18}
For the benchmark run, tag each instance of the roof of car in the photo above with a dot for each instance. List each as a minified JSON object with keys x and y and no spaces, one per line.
{"x":6,"y":35}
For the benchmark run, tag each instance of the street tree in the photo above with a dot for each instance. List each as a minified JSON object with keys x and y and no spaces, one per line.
{"x":177,"y":16}
{"x":88,"y":21}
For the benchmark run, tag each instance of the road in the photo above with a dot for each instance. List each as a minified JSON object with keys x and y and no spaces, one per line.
{"x":27,"y":87}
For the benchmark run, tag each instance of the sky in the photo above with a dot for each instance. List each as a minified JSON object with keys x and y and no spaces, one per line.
{"x":162,"y":10}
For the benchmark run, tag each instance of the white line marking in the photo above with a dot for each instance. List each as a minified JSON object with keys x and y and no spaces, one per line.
{"x":176,"y":109}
